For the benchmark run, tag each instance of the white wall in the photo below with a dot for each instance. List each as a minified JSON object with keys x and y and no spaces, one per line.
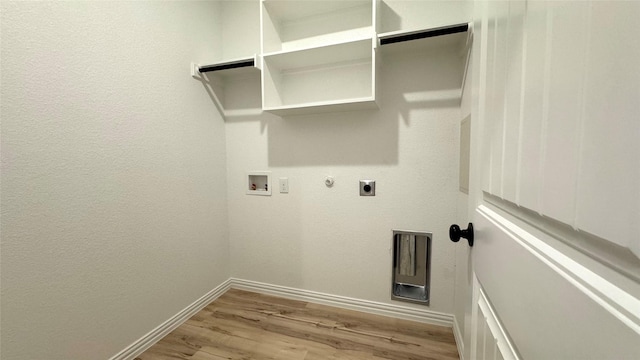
{"x":113,"y":173}
{"x":240,"y":29}
{"x":330,"y":239}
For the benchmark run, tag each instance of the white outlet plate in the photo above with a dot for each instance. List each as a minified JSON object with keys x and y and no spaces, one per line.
{"x":284,"y":185}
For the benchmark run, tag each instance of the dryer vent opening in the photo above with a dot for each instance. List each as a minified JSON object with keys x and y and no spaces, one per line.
{"x":411,"y":266}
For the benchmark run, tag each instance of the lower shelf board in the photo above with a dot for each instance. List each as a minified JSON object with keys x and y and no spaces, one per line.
{"x":324,"y":107}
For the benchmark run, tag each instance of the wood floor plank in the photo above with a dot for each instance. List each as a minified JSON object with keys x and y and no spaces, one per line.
{"x":247,"y":325}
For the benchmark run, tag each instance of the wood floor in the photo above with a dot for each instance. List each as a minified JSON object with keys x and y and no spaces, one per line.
{"x":246,"y":325}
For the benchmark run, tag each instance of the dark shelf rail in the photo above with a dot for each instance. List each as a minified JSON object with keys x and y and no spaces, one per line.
{"x":445,"y":30}
{"x":227,"y":65}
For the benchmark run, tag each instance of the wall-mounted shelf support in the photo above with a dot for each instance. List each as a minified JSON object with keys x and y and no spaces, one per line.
{"x":251,"y":62}
{"x":226,"y":68}
{"x":395,"y":37}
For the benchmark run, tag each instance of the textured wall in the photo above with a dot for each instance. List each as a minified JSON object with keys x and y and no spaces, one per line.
{"x":113,"y":173}
{"x":331,"y":239}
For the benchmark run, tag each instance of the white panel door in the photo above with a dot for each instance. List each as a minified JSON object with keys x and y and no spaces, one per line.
{"x":555,"y":174}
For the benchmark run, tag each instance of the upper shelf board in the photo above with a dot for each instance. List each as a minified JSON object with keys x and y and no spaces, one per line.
{"x":366,"y":103}
{"x":288,"y":11}
{"x":292,"y":25}
{"x":322,"y":56}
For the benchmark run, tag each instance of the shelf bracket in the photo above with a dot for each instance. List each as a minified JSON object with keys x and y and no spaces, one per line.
{"x":228,"y":65}
{"x":421,"y":34}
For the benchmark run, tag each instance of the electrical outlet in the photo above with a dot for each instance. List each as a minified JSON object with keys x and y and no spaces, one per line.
{"x":284,"y":185}
{"x":367,"y":188}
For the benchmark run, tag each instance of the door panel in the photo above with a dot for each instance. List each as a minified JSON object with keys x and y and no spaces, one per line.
{"x":492,"y":341}
{"x":529,"y":174}
{"x":559,"y":111}
{"x":611,"y":154}
{"x":496,"y":101}
{"x":549,"y":314}
{"x":513,"y":99}
{"x":567,"y":42}
{"x":555,"y":144}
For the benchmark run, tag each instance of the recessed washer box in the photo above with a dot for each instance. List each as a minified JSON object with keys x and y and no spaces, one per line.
{"x":259,"y":183}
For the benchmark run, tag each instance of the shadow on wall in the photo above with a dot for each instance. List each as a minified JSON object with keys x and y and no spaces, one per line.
{"x":239,"y":99}
{"x":413,"y":85}
{"x":392,"y":21}
{"x":346,"y":138}
{"x":422,"y":80}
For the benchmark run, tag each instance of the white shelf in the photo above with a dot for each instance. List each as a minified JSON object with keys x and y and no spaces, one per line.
{"x":322,"y":55}
{"x":290,"y":25}
{"x":333,"y":76}
{"x":325,"y":107}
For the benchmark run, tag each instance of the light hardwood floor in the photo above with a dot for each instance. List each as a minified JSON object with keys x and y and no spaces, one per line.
{"x":247,"y":325}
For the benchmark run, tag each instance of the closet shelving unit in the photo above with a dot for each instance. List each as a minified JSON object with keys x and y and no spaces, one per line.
{"x":324,"y":55}
{"x":318,"y":56}
{"x":334,"y":77}
{"x":443,"y":35}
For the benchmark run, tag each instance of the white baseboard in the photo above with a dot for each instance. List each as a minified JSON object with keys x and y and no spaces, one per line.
{"x":145,"y":342}
{"x":372,"y":307}
{"x":457,"y":334}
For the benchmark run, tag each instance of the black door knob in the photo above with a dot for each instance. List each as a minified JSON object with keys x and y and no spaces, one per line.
{"x":455,"y":233}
